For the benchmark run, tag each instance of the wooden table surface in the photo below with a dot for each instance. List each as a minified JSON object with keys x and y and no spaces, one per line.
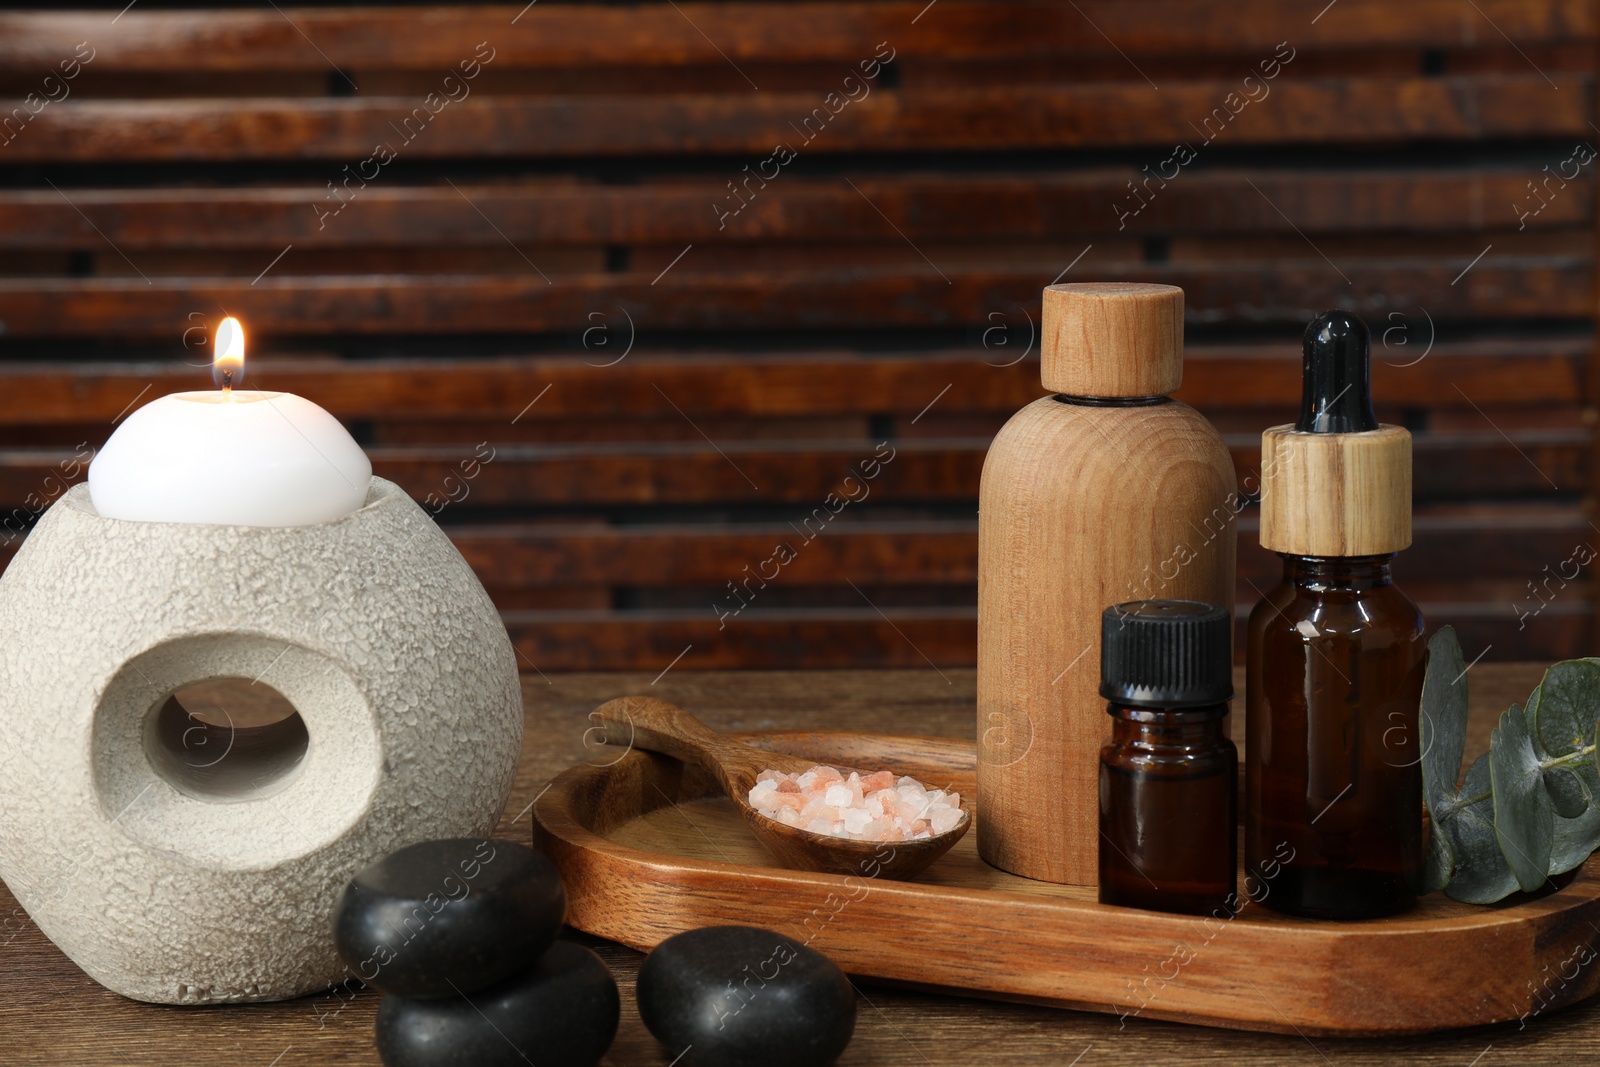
{"x":51,"y":1013}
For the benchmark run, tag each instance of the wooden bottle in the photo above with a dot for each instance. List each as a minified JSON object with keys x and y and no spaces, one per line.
{"x":1106,"y":492}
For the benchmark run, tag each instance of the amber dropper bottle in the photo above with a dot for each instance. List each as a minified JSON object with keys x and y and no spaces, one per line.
{"x":1169,"y":779}
{"x":1333,"y":786}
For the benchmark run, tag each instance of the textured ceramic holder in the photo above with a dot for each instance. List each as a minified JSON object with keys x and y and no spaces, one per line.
{"x":371,"y":625}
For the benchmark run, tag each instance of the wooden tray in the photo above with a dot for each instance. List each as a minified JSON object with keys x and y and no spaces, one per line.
{"x":649,"y":849}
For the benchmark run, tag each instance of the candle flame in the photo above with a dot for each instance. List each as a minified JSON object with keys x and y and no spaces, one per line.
{"x":227,"y":366}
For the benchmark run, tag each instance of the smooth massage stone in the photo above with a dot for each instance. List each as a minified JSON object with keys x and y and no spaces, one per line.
{"x":734,"y":996}
{"x":563,"y":1010}
{"x":442,"y":918}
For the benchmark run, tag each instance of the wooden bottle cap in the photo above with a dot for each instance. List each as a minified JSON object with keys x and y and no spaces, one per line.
{"x":1336,"y":494}
{"x":1112,"y":339}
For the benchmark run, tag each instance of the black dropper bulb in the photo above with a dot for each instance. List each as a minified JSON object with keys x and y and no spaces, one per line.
{"x":1336,"y":377}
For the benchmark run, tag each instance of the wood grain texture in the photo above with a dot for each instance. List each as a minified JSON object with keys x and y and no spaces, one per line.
{"x":800,"y":209}
{"x":942,"y":637}
{"x":1111,"y":339}
{"x":1497,"y":372}
{"x":406,"y":38}
{"x":1005,"y":138}
{"x":650,"y":855}
{"x":708,"y":555}
{"x":1551,"y":463}
{"x":1507,"y":541}
{"x":1400,"y":142}
{"x":1392,"y":110}
{"x":697,"y":638}
{"x":1079,"y":508}
{"x":648,"y":723}
{"x":1287,"y":291}
{"x":1336,"y":494}
{"x":52,"y":1015}
{"x":927,"y":470}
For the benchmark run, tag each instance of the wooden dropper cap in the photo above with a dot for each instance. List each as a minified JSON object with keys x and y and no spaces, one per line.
{"x":1112,"y":339}
{"x":1336,"y":483}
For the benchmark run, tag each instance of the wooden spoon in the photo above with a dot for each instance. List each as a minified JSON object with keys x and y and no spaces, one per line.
{"x":666,"y":728}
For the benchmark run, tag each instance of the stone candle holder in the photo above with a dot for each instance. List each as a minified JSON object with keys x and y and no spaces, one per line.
{"x":166,"y":880}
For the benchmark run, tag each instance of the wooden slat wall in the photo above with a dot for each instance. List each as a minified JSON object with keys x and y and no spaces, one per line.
{"x":624,"y":351}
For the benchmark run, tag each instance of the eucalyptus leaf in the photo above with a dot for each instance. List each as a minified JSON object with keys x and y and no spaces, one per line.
{"x":1442,"y":725}
{"x":1443,"y":721}
{"x":1530,"y":806}
{"x":1562,"y":713}
{"x":1568,"y":796}
{"x":1481,"y":875}
{"x":1524,"y":819}
{"x":1574,"y":840}
{"x":1588,"y":776}
{"x":1438,"y":862}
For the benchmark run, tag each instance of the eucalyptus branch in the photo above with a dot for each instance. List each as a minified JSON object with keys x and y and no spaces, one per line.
{"x":1530,"y":806}
{"x":1578,"y":756}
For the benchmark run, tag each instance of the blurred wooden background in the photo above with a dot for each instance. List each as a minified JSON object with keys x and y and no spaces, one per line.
{"x":624,"y":344}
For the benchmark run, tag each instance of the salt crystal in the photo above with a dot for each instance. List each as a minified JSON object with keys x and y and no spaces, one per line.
{"x":873,"y":807}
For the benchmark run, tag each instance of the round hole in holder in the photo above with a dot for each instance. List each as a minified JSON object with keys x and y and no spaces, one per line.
{"x":226,"y":739}
{"x":319,"y":798}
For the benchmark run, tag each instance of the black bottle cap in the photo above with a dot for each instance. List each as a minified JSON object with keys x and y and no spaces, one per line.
{"x":1336,"y":376}
{"x":1166,"y":654}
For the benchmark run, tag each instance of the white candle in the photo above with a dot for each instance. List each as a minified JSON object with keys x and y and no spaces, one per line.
{"x":229,"y":457}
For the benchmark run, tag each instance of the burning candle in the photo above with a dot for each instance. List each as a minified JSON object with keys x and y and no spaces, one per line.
{"x":230,"y":457}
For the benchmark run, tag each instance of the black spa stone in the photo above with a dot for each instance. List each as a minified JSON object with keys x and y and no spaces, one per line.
{"x":562,"y":1010}
{"x":735,"y":996}
{"x":442,"y":918}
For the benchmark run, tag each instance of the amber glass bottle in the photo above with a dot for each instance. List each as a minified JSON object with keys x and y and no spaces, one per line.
{"x":1336,"y":655}
{"x":1333,"y":787}
{"x":1169,"y":777}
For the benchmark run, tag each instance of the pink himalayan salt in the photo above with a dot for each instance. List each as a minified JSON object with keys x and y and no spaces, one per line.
{"x":877,"y":807}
